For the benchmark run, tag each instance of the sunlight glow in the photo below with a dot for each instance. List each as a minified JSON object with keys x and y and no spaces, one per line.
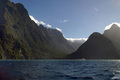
{"x":110,"y":25}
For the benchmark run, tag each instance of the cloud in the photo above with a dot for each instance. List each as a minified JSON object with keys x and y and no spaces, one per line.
{"x":110,"y":25}
{"x":48,"y":25}
{"x":40,"y":22}
{"x":96,"y":9}
{"x":63,"y":21}
{"x":77,"y":39}
{"x":36,"y":21}
{"x":59,"y":29}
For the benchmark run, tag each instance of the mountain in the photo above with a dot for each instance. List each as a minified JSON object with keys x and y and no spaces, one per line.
{"x":96,"y":47}
{"x":76,"y":43}
{"x":114,"y":35}
{"x":22,"y":38}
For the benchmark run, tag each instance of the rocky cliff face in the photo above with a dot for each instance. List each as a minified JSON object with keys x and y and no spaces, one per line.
{"x":96,"y":47}
{"x":21,"y":38}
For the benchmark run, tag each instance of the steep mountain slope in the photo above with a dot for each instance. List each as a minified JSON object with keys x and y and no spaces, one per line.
{"x":21,"y":38}
{"x":96,"y":47}
{"x":114,"y":35}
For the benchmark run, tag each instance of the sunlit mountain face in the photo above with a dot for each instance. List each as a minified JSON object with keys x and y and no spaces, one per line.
{"x":110,"y":25}
{"x":22,"y":38}
{"x":113,"y":33}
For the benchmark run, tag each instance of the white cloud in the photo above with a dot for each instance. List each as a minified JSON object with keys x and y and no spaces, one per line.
{"x":63,"y":35}
{"x":76,"y":42}
{"x":48,"y":25}
{"x":96,"y":9}
{"x":41,"y":22}
{"x":59,"y":29}
{"x":63,"y":21}
{"x":36,"y":21}
{"x":77,"y":39}
{"x":110,"y":25}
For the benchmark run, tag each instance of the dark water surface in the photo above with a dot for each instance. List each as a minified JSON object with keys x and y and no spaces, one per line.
{"x":60,"y":70}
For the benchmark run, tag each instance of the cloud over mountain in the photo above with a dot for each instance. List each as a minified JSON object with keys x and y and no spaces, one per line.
{"x":77,"y":39}
{"x":59,"y":29}
{"x":35,"y":20}
{"x":76,"y":42}
{"x":110,"y":25}
{"x":48,"y":25}
{"x":39,"y":22}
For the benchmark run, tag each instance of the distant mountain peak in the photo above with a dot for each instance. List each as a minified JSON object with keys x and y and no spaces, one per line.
{"x":96,"y":47}
{"x":113,"y":34}
{"x":115,"y":27}
{"x":95,"y":34}
{"x":115,"y":24}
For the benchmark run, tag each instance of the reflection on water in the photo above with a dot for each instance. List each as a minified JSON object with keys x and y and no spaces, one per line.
{"x":60,"y":70}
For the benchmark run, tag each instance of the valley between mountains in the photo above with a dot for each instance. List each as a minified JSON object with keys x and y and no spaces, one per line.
{"x":22,"y":38}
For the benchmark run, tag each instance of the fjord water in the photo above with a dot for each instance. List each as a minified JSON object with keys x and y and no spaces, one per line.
{"x":60,"y":70}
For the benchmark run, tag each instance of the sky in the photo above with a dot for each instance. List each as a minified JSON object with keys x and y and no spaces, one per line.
{"x":74,"y":18}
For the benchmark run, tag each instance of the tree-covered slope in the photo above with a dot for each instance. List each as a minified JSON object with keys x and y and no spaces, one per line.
{"x":21,"y":38}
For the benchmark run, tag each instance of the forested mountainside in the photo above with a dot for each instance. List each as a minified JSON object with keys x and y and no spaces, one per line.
{"x":22,"y":38}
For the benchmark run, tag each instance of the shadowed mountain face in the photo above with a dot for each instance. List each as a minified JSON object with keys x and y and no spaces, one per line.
{"x":96,"y":47}
{"x":21,"y":38}
{"x":114,"y":35}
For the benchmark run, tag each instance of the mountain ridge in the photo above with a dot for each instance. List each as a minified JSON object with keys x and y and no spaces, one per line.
{"x":22,"y":38}
{"x":96,"y":47}
{"x":114,"y":35}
